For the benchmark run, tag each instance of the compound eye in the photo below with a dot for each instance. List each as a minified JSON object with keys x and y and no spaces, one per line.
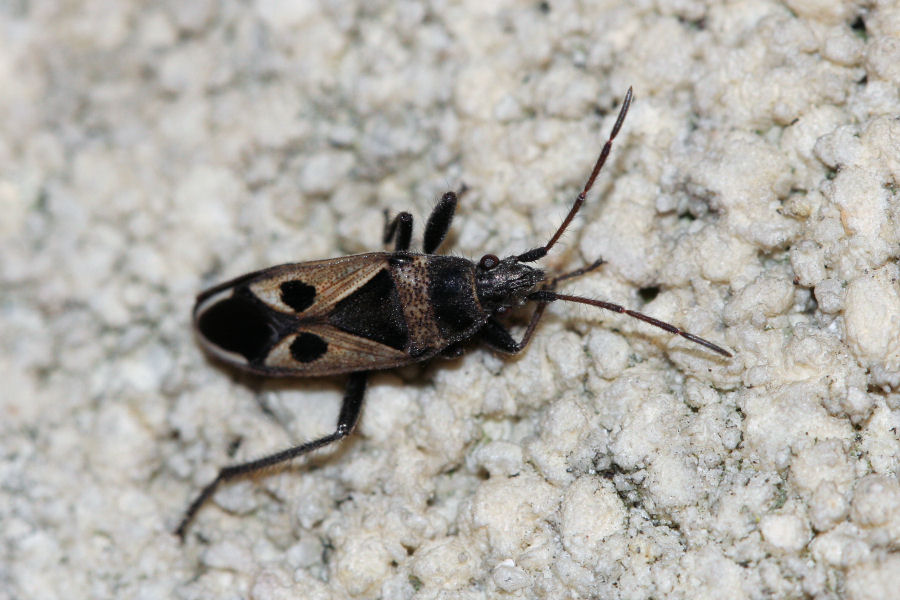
{"x":488,"y":262}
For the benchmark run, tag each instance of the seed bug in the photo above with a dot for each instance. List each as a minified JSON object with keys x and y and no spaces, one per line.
{"x":380,"y":310}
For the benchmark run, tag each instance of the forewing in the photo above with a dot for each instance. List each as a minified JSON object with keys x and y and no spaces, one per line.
{"x":310,"y":290}
{"x":275,"y":321}
{"x":321,"y":349}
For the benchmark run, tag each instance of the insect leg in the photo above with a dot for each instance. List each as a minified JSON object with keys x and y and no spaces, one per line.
{"x":540,"y":252}
{"x":453,"y":351}
{"x":401,"y":226}
{"x":439,"y":222}
{"x":349,"y":415}
{"x":496,"y":336}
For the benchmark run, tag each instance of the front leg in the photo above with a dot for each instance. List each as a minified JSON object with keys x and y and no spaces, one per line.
{"x":453,"y":351}
{"x":349,"y":415}
{"x":496,"y":336}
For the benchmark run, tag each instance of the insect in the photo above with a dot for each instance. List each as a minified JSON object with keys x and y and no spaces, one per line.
{"x":380,"y":310}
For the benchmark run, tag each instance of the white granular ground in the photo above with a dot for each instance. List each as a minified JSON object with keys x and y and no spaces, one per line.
{"x":148,"y":150}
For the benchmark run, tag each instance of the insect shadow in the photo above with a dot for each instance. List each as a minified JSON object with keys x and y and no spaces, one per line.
{"x":357,"y":314}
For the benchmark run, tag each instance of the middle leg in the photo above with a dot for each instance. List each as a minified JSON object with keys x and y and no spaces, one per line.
{"x":439,"y":222}
{"x":400,"y":228}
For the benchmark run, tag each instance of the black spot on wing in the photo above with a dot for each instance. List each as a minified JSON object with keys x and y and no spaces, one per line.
{"x":373,"y":312}
{"x":238,"y":324}
{"x":297,"y":295}
{"x":244,"y":325}
{"x":307,"y":347}
{"x":452,"y":295}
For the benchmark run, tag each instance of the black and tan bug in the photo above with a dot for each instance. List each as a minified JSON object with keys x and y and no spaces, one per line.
{"x":380,"y":310}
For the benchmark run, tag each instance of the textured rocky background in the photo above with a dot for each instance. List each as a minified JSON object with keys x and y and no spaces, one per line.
{"x":150,"y":149}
